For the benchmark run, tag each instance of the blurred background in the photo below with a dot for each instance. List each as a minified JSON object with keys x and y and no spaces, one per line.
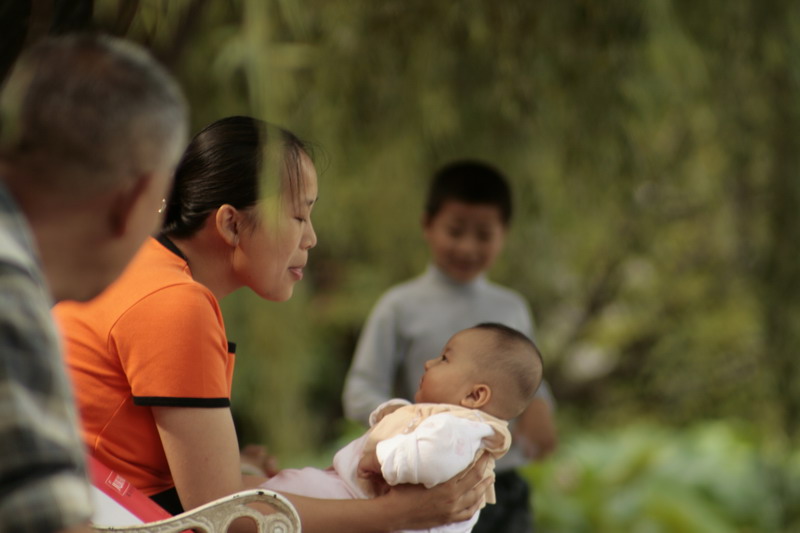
{"x":654,"y":150}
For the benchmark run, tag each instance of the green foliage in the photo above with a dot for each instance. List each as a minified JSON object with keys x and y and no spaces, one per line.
{"x":709,"y":478}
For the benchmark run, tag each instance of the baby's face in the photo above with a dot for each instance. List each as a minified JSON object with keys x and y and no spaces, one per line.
{"x":449,"y":378}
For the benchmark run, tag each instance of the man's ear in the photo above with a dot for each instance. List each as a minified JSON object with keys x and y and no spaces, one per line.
{"x":124,"y":202}
{"x":227,"y":223}
{"x":478,"y":396}
{"x":425,"y":221}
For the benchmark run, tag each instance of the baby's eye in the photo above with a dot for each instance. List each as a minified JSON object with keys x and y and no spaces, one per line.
{"x":444,"y":357}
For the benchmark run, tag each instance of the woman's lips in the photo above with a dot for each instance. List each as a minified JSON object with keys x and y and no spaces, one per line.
{"x":297,"y":272}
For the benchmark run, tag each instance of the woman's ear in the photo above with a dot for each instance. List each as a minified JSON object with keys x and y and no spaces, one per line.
{"x":226,"y":220}
{"x":478,"y":396}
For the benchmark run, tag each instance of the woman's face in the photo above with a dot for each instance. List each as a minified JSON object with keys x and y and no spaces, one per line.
{"x":273,"y":252}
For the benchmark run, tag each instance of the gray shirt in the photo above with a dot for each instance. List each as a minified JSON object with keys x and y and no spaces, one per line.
{"x":43,"y":484}
{"x":410,"y":324}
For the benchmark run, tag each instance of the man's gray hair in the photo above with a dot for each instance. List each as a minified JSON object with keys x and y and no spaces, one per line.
{"x":80,"y":113}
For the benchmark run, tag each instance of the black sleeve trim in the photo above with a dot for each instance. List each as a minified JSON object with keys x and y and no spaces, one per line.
{"x":166,"y":401}
{"x":231,"y":347}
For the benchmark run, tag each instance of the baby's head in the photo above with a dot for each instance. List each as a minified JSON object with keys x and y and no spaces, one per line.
{"x":490,"y":367}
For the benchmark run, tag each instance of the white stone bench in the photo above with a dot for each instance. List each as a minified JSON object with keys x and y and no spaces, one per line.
{"x":216,"y":516}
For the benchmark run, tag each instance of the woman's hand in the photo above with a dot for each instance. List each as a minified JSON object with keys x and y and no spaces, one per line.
{"x":454,"y":501}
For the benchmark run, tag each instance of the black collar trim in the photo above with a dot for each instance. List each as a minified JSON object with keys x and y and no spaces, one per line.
{"x":169,"y":245}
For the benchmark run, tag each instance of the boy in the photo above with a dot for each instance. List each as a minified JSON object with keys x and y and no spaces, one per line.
{"x":485,"y":376}
{"x":466,"y":220}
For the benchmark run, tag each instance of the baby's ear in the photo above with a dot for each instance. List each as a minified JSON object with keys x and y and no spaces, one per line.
{"x":478,"y":396}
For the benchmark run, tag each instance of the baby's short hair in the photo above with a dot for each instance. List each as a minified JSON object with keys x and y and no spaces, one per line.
{"x":516,"y":363}
{"x":472,"y":182}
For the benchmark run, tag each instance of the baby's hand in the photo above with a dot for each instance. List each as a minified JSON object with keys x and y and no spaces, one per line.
{"x":369,"y":464}
{"x":369,"y":471}
{"x":256,"y":460}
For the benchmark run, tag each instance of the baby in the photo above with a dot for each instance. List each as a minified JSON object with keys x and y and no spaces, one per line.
{"x":485,"y":376}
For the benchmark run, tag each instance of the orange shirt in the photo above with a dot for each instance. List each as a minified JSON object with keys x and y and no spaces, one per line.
{"x":153,"y":338}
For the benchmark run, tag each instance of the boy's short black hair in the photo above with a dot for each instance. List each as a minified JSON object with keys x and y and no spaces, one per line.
{"x":472,"y":182}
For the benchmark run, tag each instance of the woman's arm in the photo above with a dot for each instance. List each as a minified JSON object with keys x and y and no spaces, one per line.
{"x":202,"y":451}
{"x":203,"y":454}
{"x":403,"y":507}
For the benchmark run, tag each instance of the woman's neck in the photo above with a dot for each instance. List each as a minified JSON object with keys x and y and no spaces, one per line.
{"x":209,"y":259}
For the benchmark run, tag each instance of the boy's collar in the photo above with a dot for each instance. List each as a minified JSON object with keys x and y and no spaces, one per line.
{"x":435,"y":272}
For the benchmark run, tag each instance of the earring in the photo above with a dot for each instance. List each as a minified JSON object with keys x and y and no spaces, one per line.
{"x":163,"y":206}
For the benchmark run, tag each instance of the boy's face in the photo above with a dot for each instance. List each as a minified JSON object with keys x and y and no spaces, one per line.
{"x":465,"y":239}
{"x":450,"y":377}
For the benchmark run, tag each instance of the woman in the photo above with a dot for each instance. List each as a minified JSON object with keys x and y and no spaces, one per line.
{"x":150,"y":360}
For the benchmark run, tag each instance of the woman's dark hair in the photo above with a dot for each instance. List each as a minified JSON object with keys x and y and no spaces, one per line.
{"x":223,"y":164}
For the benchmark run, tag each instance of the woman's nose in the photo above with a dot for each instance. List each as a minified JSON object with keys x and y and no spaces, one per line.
{"x":310,"y":238}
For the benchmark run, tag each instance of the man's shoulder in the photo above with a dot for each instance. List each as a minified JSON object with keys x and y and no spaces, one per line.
{"x":24,"y":292}
{"x":16,"y":243}
{"x":19,"y":288}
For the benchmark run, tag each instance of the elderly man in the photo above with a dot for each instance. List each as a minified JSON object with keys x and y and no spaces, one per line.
{"x":90,"y":131}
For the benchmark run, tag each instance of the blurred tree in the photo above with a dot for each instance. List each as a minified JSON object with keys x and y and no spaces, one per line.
{"x":650,"y":167}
